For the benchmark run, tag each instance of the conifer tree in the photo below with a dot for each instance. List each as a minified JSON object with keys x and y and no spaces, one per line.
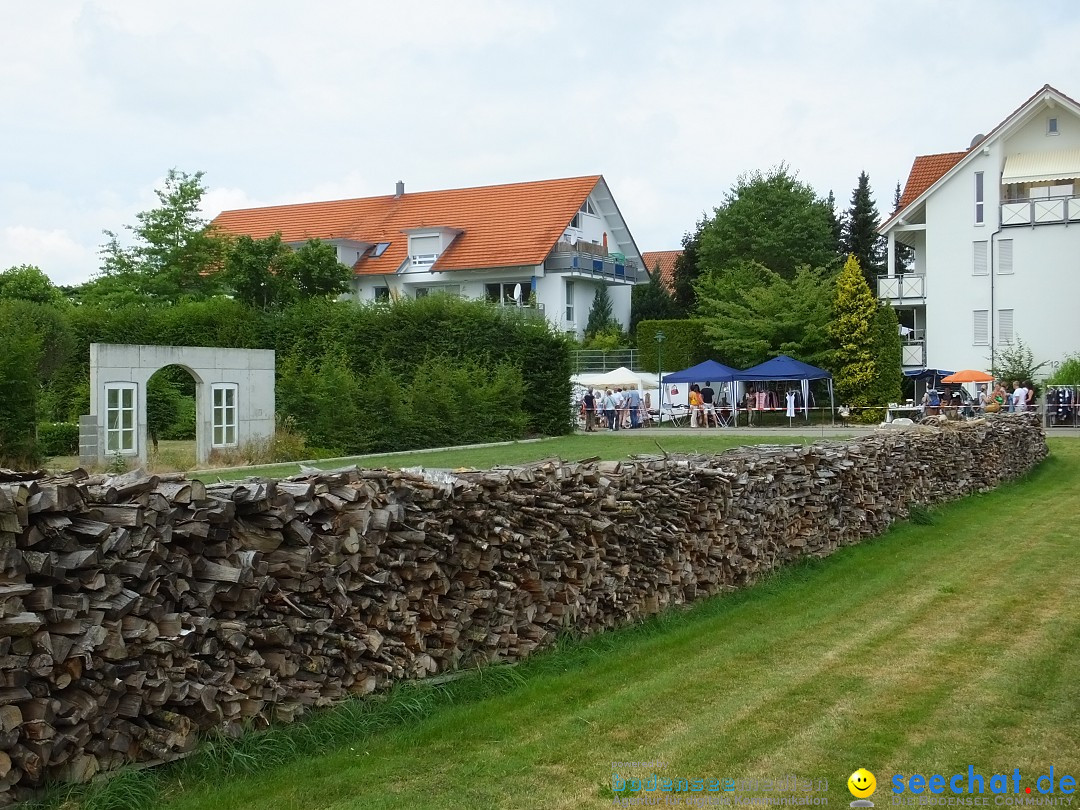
{"x":852,"y":329}
{"x":652,"y":301}
{"x":859,"y":233}
{"x":834,"y":221}
{"x":888,"y":356}
{"x":905,"y":254}
{"x":600,"y":314}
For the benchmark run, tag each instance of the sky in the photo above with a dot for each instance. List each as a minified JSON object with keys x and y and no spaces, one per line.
{"x":671,"y":100}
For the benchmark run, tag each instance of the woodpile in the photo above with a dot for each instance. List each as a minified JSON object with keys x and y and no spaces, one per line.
{"x":138,"y":610}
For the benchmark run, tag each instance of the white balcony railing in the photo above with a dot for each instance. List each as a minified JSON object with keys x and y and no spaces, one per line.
{"x":914,"y":353}
{"x":904,"y":286}
{"x":1044,"y":211}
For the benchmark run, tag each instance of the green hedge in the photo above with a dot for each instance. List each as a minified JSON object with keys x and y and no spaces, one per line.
{"x":58,"y":438}
{"x":685,"y":343}
{"x":370,"y":359}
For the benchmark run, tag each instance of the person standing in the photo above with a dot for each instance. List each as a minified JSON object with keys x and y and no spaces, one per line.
{"x":708,"y":408}
{"x":609,"y":409}
{"x":588,"y":402}
{"x":1019,"y":399}
{"x":633,"y":401}
{"x":696,"y":410}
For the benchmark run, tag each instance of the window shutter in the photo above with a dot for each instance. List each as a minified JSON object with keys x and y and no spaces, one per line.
{"x":982,"y":328}
{"x":979,"y":265}
{"x":1005,"y":257}
{"x":423,"y":245}
{"x":1005,"y":326}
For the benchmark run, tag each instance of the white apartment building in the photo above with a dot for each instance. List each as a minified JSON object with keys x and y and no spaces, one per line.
{"x":995,"y":230}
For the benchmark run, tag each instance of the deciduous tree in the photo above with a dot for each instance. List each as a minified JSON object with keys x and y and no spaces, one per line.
{"x":751,"y":314}
{"x":773,"y":219}
{"x":174,"y":254}
{"x":28,"y":283}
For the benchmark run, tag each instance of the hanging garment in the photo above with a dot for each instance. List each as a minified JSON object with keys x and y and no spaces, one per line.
{"x":790,"y":404}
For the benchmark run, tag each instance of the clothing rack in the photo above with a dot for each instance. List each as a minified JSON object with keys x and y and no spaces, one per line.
{"x":1061,"y":406}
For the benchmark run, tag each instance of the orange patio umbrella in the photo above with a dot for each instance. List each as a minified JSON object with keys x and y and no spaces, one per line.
{"x":968,"y":375}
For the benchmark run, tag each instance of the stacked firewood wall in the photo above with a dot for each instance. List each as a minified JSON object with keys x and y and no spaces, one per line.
{"x":138,"y":610}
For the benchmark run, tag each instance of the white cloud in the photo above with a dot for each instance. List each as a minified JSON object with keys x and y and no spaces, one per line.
{"x":283,"y":102}
{"x":61,"y":258}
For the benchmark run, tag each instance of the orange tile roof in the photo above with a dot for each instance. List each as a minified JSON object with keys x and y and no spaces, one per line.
{"x":502,"y":226}
{"x":666,"y":260}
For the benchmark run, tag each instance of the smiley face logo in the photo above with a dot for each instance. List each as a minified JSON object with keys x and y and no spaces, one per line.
{"x":862,"y":783}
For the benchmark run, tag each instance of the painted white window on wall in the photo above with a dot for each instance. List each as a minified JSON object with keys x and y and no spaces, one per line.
{"x":223,"y":421}
{"x":982,"y":328}
{"x":1005,"y":326}
{"x":120,"y":418}
{"x":978,"y":197}
{"x":1005,"y":257}
{"x":569,"y":301}
{"x":978,"y":264}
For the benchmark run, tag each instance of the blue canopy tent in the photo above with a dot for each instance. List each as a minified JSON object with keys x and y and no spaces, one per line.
{"x":709,"y":371}
{"x":788,"y":368}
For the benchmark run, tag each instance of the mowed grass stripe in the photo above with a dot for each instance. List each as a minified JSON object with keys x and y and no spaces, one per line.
{"x":928,"y":649}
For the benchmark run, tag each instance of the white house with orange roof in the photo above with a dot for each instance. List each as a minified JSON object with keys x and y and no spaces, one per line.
{"x":995,"y":230}
{"x":548,"y":245}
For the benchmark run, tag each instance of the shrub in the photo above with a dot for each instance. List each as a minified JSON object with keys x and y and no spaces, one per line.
{"x":58,"y":438}
{"x":685,"y":343}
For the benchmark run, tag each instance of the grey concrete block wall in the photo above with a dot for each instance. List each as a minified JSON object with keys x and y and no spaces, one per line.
{"x":250,"y":370}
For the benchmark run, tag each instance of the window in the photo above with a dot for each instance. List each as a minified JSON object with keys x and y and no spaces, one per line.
{"x":569,"y":301}
{"x":1005,"y":257}
{"x":120,"y":418}
{"x":382,"y":294}
{"x":576,"y":221}
{"x":1051,"y":126}
{"x":978,"y":198}
{"x":380,"y":249}
{"x":223,"y":422}
{"x":422,"y":292}
{"x":1005,"y":326}
{"x":982,"y":328}
{"x":978,"y":266}
{"x":507,"y":293}
{"x":587,"y":207}
{"x":424,"y":250}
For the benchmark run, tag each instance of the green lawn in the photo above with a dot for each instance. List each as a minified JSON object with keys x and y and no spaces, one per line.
{"x":575,"y":447}
{"x":926,"y":650}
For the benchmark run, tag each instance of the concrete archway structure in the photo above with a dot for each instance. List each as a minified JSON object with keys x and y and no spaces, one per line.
{"x":234,"y":397}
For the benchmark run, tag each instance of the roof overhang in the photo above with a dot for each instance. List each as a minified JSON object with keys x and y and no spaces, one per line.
{"x":1040,"y":167}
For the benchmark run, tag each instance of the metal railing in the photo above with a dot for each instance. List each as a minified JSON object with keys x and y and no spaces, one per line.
{"x":1040,"y":211}
{"x":905,"y":285}
{"x":587,"y":361}
{"x":592,"y":261}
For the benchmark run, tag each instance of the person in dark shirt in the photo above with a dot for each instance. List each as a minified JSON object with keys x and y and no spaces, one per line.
{"x":707,"y":397}
{"x":589,"y":403}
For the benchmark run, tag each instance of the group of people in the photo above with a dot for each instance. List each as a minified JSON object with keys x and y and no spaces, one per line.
{"x":619,"y":409}
{"x":996,"y":400}
{"x":1021,"y":398}
{"x":703,"y":407}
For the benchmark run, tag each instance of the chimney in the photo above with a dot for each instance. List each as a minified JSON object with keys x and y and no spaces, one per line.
{"x":399,"y":189}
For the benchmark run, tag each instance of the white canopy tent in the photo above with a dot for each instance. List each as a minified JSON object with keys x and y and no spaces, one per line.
{"x":621,"y":377}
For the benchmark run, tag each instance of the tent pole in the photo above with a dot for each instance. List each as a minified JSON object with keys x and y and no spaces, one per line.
{"x":832,"y":404}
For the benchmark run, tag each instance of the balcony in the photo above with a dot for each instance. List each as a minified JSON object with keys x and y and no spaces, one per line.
{"x":1040,"y":211}
{"x":587,"y":260}
{"x":908,"y":287}
{"x":913,"y":354}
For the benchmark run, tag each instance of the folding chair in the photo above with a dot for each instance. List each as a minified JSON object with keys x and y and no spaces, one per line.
{"x":724,"y":416}
{"x":676,"y":416}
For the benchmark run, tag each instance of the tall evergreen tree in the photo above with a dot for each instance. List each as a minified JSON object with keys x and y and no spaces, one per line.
{"x":905,"y":254}
{"x":859,"y":234}
{"x":834,"y":221}
{"x":687,"y":270}
{"x":600,"y":314}
{"x":852,"y":329}
{"x":888,"y":356}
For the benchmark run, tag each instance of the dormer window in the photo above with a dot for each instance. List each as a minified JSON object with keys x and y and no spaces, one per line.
{"x":424,"y":249}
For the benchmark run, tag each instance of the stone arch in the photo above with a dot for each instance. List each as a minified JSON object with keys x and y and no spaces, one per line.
{"x":234,"y":397}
